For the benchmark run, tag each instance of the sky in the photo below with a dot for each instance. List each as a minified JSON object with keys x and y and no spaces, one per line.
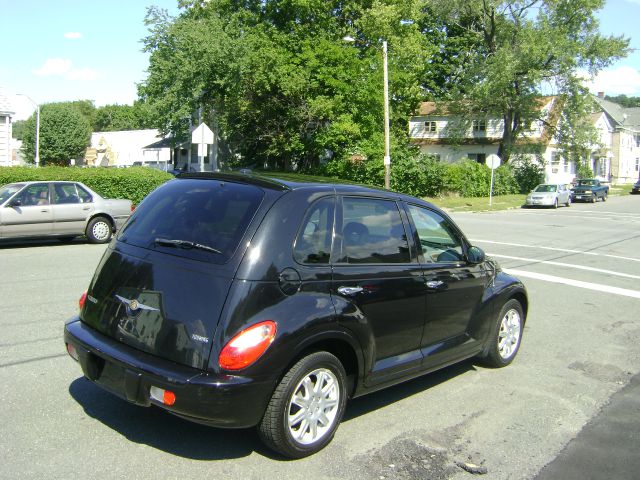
{"x":59,"y":50}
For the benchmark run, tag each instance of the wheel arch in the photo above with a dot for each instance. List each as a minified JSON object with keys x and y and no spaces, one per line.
{"x":342,"y":347}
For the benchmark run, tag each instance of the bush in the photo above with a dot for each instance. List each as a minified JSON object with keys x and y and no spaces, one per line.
{"x":132,"y":183}
{"x":528,"y":173}
{"x":472,"y":179}
{"x":421,"y":177}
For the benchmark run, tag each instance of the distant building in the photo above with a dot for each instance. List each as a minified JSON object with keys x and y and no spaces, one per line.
{"x":126,"y":149}
{"x":615,"y":158}
{"x":625,"y":164}
{"x":6,"y":112}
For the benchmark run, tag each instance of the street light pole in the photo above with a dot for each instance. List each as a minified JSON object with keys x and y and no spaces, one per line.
{"x":37,"y":156}
{"x":387,"y":146}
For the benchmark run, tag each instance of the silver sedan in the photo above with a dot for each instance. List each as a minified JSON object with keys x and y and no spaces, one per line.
{"x":549,"y":195}
{"x":59,"y":209}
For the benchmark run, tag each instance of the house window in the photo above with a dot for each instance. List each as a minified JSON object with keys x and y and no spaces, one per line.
{"x":637,"y":167}
{"x":556,"y":160}
{"x":430,"y":126}
{"x":477,"y":157}
{"x":479,"y":125}
{"x":637,"y":139}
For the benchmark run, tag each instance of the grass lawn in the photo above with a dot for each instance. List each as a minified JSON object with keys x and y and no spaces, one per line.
{"x":449,"y":202}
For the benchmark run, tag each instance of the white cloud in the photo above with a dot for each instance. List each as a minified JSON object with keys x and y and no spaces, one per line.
{"x":63,"y":67}
{"x":619,"y":81}
{"x":54,"y":67}
{"x":73,"y":35}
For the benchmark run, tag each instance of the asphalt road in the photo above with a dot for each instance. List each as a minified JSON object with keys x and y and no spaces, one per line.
{"x":580,"y":265}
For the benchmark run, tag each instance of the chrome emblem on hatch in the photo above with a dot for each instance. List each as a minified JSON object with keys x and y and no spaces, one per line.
{"x":133,"y":306}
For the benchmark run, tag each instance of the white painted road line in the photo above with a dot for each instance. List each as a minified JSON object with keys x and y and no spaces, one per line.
{"x":574,"y":283}
{"x":555,"y":249}
{"x":567,"y":265}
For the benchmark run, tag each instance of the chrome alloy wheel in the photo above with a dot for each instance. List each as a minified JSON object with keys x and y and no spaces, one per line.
{"x":312,"y":409}
{"x":101,"y":230}
{"x":509,"y":334}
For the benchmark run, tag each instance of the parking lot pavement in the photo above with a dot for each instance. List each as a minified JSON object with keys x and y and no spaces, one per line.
{"x":580,"y":348}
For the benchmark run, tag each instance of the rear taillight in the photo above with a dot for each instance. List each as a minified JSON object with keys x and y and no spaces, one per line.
{"x":247,"y":346}
{"x":133,"y":207}
{"x":83,"y":300}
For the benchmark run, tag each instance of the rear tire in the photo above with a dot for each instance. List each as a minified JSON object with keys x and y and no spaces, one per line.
{"x":99,"y":230}
{"x":604,"y":197}
{"x":505,"y":336}
{"x":306,"y":406}
{"x":568,"y":204}
{"x":555,"y":204}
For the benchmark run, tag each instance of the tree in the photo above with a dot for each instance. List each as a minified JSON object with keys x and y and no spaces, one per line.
{"x":277,"y":79}
{"x":112,"y":118}
{"x":625,"y":101}
{"x":516,"y":48}
{"x":64,"y":134}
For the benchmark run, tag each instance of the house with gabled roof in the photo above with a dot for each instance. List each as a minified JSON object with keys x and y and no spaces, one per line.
{"x":625,"y":165}
{"x":451,"y":138}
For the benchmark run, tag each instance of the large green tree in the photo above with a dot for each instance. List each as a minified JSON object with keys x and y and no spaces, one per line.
{"x":64,"y":134}
{"x":277,"y":79}
{"x":512,"y":51}
{"x":113,"y":118}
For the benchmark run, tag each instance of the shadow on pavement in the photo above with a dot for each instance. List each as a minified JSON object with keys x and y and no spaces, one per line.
{"x":158,"y":429}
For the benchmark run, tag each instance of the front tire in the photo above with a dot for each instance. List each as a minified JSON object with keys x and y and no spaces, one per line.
{"x":505,"y":335}
{"x":99,"y":230}
{"x":306,"y":406}
{"x":555,"y":204}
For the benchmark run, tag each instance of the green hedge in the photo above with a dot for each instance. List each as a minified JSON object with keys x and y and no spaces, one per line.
{"x":133,"y":183}
{"x":425,"y":176}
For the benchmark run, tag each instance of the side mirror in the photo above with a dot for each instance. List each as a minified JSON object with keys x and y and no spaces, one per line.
{"x":14,"y":203}
{"x":475,"y":255}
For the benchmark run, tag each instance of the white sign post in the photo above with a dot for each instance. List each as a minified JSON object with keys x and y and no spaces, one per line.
{"x":493,"y":162}
{"x":202,"y":136}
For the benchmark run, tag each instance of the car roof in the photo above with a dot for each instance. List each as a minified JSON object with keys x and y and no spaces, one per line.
{"x":288,"y":185}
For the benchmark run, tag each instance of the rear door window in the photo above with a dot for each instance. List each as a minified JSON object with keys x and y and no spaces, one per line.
{"x":200,"y":219}
{"x":372,"y":232}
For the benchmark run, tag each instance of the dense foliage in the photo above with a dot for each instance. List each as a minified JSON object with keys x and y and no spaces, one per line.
{"x":132,"y":183}
{"x":282,"y":88}
{"x":427,"y":177}
{"x":624,"y":100}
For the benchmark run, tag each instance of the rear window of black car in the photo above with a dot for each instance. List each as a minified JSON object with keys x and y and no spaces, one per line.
{"x":199,"y":219}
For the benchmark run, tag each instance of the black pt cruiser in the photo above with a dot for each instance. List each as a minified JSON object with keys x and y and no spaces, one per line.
{"x":239,"y":301}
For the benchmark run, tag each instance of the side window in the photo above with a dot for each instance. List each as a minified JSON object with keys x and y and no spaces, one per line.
{"x":438,"y":239}
{"x":65,"y":193}
{"x":372,"y":232}
{"x":313,"y":243}
{"x":36,"y":194}
{"x":85,"y":197}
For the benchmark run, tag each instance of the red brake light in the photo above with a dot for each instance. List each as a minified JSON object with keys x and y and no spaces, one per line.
{"x":83,"y":299}
{"x":247,"y":346}
{"x":133,"y":207}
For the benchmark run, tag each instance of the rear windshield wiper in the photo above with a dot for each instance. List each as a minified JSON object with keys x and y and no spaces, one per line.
{"x":168,"y":242}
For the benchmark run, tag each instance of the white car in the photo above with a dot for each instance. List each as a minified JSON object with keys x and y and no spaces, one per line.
{"x":59,"y":209}
{"x":549,"y":195}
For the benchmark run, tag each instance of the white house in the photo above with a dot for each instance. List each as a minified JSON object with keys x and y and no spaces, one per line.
{"x":6,"y":112}
{"x":451,"y":138}
{"x":625,"y":158}
{"x":127,"y":148}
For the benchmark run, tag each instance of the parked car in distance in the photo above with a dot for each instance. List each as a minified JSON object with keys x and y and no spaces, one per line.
{"x":59,"y":209}
{"x":589,"y":190}
{"x":549,"y":195}
{"x":237,"y":301}
{"x":636,"y":188}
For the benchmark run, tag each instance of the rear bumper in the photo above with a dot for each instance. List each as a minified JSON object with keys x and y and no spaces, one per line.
{"x":225,"y":401}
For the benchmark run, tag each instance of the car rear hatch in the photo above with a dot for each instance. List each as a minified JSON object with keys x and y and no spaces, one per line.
{"x":162,"y":286}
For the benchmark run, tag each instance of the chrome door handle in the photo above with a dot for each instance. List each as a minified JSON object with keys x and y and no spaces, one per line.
{"x":433,"y":284}
{"x":349,"y":290}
